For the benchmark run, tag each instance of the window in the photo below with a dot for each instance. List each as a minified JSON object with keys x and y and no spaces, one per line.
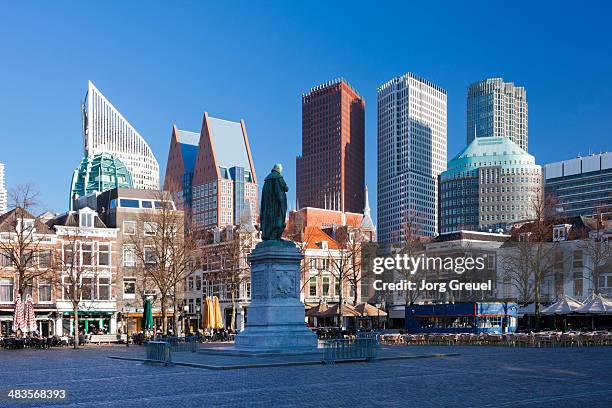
{"x":129,"y":227}
{"x":150,"y":257}
{"x":577,"y":262}
{"x":104,"y":288}
{"x":87,"y":254}
{"x":150,"y":228}
{"x":44,"y":291}
{"x":5,"y":260}
{"x":312,"y":286}
{"x":87,"y":289}
{"x":129,"y":288}
{"x":86,"y":220}
{"x":126,"y":203}
{"x":147,"y":204}
{"x":44,"y":259}
{"x":6,"y":290}
{"x":190,"y":283}
{"x":325,"y":285}
{"x":103,"y":254}
{"x":198,"y":282}
{"x":129,"y":256}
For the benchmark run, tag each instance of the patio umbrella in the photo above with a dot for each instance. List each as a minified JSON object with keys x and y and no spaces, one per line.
{"x":318,"y":310}
{"x":218,"y":317}
{"x":563,"y":306}
{"x":29,"y":316}
{"x":368,"y":310}
{"x":18,"y":316}
{"x":210,"y":316}
{"x":346,"y":311}
{"x":596,"y":304}
{"x":147,"y":315}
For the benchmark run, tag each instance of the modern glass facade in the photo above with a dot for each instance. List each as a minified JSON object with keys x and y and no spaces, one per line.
{"x":99,"y":173}
{"x":411,"y":155}
{"x":581,"y":186}
{"x":496,"y":108}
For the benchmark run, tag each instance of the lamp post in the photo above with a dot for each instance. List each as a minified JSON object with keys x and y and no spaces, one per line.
{"x":126,"y":312}
{"x":378,"y":306}
{"x":186,"y":319}
{"x":198,"y":309}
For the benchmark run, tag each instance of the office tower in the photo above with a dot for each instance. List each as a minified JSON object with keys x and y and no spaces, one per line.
{"x":99,"y":173}
{"x":105,"y":130}
{"x":184,"y":146}
{"x":497,"y":108}
{"x":224,"y":179}
{"x":3,"y":195}
{"x":330,"y":173}
{"x":489,"y":185}
{"x":411,"y":155}
{"x":581,"y":186}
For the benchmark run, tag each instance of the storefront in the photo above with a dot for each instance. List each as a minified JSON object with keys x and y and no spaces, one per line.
{"x":472,"y":317}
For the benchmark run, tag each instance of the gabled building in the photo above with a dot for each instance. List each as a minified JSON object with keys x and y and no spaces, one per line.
{"x":224,"y":180}
{"x":182,"y":155}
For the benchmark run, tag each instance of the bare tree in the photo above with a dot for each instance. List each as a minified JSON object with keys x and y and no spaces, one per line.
{"x":25,"y":239}
{"x":597,"y":248}
{"x":411,"y":244}
{"x":165,"y":252}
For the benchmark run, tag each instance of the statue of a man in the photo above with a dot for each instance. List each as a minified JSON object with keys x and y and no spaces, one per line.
{"x":273,"y":205}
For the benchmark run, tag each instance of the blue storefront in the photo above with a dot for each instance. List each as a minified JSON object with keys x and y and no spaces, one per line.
{"x":470,"y":317}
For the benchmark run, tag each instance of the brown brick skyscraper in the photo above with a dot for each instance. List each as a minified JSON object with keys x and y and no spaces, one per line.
{"x":330,"y":172}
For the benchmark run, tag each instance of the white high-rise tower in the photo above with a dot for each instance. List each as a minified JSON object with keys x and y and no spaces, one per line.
{"x":3,"y":197}
{"x":105,"y":130}
{"x":411,"y":155}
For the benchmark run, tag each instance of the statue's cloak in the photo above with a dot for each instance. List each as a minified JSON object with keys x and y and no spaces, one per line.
{"x":273,"y":206}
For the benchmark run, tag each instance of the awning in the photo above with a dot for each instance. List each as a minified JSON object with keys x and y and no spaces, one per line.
{"x":397,"y":312}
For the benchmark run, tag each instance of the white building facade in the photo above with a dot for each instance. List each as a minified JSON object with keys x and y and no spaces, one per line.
{"x":3,"y":195}
{"x":496,"y":108}
{"x":411,"y":154}
{"x":105,"y":130}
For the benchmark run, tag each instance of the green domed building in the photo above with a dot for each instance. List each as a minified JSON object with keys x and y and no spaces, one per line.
{"x":488,"y":186}
{"x":99,"y":173}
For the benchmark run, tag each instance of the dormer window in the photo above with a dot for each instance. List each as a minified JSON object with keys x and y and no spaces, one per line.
{"x":25,"y":225}
{"x":560,"y":232}
{"x":86,"y":220}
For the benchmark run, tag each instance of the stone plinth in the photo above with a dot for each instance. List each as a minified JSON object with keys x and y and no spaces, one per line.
{"x":275,"y":317}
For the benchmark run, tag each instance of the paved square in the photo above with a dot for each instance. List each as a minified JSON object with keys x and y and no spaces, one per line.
{"x":480,"y":377}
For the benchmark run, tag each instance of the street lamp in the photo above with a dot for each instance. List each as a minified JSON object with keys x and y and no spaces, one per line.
{"x":378,"y":306}
{"x":186,"y":319}
{"x":126,"y":312}
{"x":198,"y":308}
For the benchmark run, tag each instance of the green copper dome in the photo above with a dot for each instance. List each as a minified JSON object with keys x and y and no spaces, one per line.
{"x":487,"y":152}
{"x":100,"y":172}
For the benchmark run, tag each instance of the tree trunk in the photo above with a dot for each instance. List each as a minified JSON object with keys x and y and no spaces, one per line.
{"x":233,"y":322}
{"x":75,"y":310}
{"x":537,"y":306}
{"x":164,"y":315}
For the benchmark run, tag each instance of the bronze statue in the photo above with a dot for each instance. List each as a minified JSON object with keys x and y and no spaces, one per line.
{"x":273,"y":205}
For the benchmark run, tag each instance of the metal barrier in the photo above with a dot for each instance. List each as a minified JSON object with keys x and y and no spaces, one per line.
{"x":349,"y":349}
{"x":159,"y":352}
{"x":180,"y":344}
{"x":370,"y":335}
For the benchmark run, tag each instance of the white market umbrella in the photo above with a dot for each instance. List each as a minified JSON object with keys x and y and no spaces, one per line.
{"x":596,"y":304}
{"x":564,"y":305}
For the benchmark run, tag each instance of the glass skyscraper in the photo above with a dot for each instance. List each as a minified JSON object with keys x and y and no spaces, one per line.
{"x":497,"y":109}
{"x":411,"y":154}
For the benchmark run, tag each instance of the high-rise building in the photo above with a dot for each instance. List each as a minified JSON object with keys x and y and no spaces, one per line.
{"x":224,"y":180}
{"x":330,"y":173}
{"x":184,"y":146}
{"x":581,"y":186}
{"x":496,"y":108}
{"x":105,"y":130}
{"x":411,"y":155}
{"x":489,"y":185}
{"x":3,"y":197}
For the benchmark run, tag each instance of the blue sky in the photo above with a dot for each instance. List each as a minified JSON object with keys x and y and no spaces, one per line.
{"x":165,"y":63}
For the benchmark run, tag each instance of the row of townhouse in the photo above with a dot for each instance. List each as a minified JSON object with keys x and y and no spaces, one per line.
{"x":90,"y":254}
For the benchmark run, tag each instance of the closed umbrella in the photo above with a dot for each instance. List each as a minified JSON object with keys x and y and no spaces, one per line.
{"x":210,"y":316}
{"x":29,"y":316}
{"x":218,"y":317}
{"x":147,"y":315}
{"x":18,"y":316}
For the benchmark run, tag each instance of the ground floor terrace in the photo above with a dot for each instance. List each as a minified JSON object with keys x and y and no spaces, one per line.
{"x":479,"y":377}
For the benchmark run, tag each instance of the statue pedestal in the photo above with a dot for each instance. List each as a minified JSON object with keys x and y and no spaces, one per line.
{"x":275,"y":317}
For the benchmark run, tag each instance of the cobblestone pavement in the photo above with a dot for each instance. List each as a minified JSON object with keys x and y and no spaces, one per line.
{"x":480,"y":377}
